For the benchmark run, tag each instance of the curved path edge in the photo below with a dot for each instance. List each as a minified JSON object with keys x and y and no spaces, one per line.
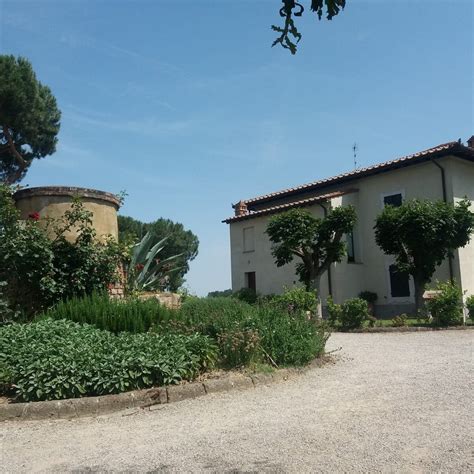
{"x":141,"y":399}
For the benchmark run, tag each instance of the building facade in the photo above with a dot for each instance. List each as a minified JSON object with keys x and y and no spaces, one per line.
{"x":445,"y":172}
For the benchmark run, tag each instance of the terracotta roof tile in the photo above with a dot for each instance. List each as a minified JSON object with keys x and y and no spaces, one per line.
{"x":363,"y":171}
{"x":284,"y":207}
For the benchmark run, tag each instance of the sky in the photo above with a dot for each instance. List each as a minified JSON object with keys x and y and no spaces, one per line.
{"x":186,"y":107}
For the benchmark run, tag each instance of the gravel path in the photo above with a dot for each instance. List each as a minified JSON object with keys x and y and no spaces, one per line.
{"x":392,"y":403}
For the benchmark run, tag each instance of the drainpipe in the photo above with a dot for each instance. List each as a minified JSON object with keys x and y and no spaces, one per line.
{"x":329,"y":268}
{"x":445,"y":199}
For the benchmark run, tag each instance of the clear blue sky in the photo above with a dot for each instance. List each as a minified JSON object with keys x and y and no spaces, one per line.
{"x":184,"y":105}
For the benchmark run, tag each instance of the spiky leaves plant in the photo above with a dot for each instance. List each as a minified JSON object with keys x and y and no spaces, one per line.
{"x":146,"y":271}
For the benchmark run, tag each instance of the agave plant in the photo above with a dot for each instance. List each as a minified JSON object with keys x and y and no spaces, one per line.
{"x":146,"y":271}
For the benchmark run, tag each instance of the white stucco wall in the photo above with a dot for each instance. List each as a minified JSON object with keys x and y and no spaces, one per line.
{"x":370,"y":269}
{"x":461,"y":174}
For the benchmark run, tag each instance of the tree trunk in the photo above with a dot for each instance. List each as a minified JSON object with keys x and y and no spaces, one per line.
{"x":419,"y":290}
{"x":316,"y":286}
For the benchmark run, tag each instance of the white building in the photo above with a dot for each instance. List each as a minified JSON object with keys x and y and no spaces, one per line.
{"x":445,"y":172}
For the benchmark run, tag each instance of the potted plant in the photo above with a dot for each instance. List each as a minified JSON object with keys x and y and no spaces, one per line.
{"x":371,"y":298}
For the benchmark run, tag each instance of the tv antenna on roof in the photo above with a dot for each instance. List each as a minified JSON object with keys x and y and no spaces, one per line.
{"x":354,"y":149}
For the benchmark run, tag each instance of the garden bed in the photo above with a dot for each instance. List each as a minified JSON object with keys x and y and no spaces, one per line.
{"x":209,"y":383}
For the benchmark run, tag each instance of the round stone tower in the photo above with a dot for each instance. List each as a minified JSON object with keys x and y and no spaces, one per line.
{"x":54,"y":201}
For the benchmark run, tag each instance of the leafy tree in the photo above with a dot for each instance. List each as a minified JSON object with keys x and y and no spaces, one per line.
{"x":179,"y":242}
{"x":316,"y":242}
{"x":292,"y":8}
{"x":220,"y":293}
{"x":421,"y":235}
{"x":29,"y":118}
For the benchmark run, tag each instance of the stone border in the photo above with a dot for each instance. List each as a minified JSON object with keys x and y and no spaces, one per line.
{"x":70,"y":191}
{"x":409,"y":329}
{"x":140,"y":399}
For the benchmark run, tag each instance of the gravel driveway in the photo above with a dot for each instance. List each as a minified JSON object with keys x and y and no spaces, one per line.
{"x":392,"y":402}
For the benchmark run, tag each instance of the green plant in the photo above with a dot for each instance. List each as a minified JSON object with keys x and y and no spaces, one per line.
{"x":132,"y":314}
{"x":316,"y":243}
{"x":470,"y":306}
{"x":249,"y":334}
{"x":349,"y":315}
{"x":40,"y":266}
{"x":369,"y":296}
{"x":289,"y":339}
{"x":145,"y":271}
{"x":297,"y":299}
{"x":421,"y":235}
{"x":29,"y":118}
{"x":446,"y":308}
{"x":50,"y":360}
{"x":247,"y":295}
{"x":400,"y":321}
{"x":181,"y":244}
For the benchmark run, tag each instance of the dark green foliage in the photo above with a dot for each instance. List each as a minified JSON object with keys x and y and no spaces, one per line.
{"x":421,"y":235}
{"x":247,"y":333}
{"x":29,"y":118}
{"x":247,"y":294}
{"x":400,"y":321}
{"x":349,"y":315}
{"x":220,"y":293}
{"x":289,"y":339}
{"x":50,"y":360}
{"x":369,"y":296}
{"x":446,"y":307}
{"x":297,"y":299}
{"x":315,"y":242}
{"x":41,"y":267}
{"x":470,"y":306}
{"x":292,"y":8}
{"x":131,"y":315}
{"x":179,"y":242}
{"x":147,"y":270}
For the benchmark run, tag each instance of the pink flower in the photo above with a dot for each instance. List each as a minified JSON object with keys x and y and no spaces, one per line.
{"x":34,"y":215}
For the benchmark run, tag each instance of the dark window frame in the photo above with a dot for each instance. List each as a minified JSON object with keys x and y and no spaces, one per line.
{"x":399,"y":282}
{"x":251,"y":281}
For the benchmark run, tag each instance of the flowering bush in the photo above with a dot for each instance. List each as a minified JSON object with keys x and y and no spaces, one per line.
{"x":40,"y":267}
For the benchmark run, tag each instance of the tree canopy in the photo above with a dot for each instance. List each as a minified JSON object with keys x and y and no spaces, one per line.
{"x":291,"y":8}
{"x":179,"y":241}
{"x":29,"y":118}
{"x":315,"y":242}
{"x":421,"y":235}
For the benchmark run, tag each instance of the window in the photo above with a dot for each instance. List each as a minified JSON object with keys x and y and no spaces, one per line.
{"x":350,"y":247}
{"x":250,"y":281}
{"x":249,"y":239}
{"x":393,"y":200}
{"x":399,"y":282}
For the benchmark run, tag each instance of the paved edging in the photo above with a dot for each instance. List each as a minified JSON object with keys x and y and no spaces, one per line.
{"x":95,"y":406}
{"x":410,"y":329}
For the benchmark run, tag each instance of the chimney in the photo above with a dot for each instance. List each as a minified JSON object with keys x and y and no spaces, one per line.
{"x":240,"y":208}
{"x":470,"y":142}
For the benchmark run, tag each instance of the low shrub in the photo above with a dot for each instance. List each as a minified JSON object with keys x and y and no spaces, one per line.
{"x":289,"y":338}
{"x":247,"y":295}
{"x":470,"y":306}
{"x":297,"y":299}
{"x":446,"y":308}
{"x":369,"y":296}
{"x":49,"y":360}
{"x":400,"y":321}
{"x":131,"y":315}
{"x":349,"y":315}
{"x":248,"y":334}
